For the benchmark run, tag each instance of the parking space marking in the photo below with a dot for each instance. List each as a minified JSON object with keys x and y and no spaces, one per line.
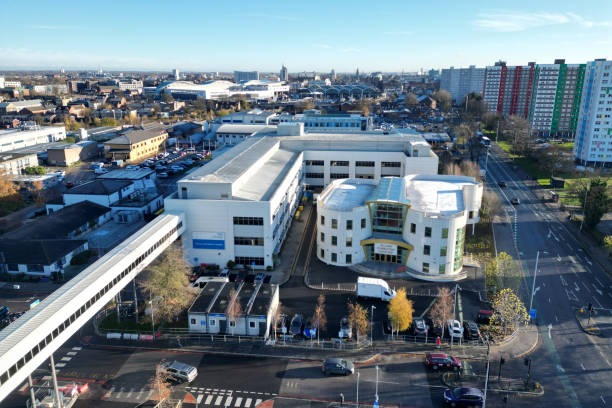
{"x":77,"y":348}
{"x":71,"y":353}
{"x":60,"y":365}
{"x":66,"y":358}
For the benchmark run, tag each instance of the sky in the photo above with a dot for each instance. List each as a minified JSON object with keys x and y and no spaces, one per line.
{"x":314,"y":35}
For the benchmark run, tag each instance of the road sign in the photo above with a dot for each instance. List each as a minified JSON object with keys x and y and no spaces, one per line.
{"x":376,"y":404}
{"x":532,"y":313}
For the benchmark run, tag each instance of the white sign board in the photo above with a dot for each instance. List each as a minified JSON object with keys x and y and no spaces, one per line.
{"x":385,"y":249}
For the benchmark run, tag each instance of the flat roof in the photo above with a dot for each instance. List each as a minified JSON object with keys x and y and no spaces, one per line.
{"x":221,"y":303}
{"x":263,"y":182}
{"x":35,"y":149}
{"x":436,"y":193}
{"x":206,"y":296}
{"x":244,"y":296}
{"x":123,"y":174}
{"x":247,"y":128}
{"x":345,"y":194}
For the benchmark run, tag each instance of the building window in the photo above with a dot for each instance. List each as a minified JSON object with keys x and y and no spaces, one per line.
{"x":364,"y":164}
{"x":349,"y":241}
{"x":391,"y":164}
{"x":471,"y":215}
{"x":443,"y":251}
{"x":349,"y":224}
{"x":322,"y":237}
{"x":252,"y":325}
{"x":349,"y":258}
{"x":255,"y":241}
{"x":192,"y":321}
{"x":442,"y":268}
{"x":334,"y":223}
{"x":334,"y":240}
{"x":322,"y":253}
{"x":426,"y":267}
{"x":248,"y":221}
{"x":249,"y":260}
{"x":339,"y":163}
{"x":444,"y":233}
{"x":315,"y":163}
{"x":213,"y":322}
{"x":338,"y":175}
{"x":428,"y":232}
{"x":334,"y":257}
{"x":426,"y":250}
{"x":314,"y":175}
{"x":322,"y":220}
{"x":363,"y":223}
{"x":413,"y":228}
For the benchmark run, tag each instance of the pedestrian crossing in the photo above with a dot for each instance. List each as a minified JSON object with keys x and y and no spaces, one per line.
{"x":217,"y":397}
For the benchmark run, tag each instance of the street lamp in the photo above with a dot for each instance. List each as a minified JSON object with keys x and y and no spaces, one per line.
{"x":376,"y":384}
{"x":152,"y":316}
{"x":372,"y":323}
{"x":357,"y":389}
{"x":535,"y":272}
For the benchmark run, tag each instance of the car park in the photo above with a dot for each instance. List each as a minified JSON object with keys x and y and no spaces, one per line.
{"x":178,"y":371}
{"x":337,"y":366}
{"x":442,"y":361}
{"x":454,"y":328}
{"x":419,"y":327}
{"x":470,"y":330}
{"x":463,"y":397}
{"x":295,"y":327}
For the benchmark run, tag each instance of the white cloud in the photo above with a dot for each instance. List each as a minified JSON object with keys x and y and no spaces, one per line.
{"x":351,"y":49}
{"x":398,"y":33}
{"x":324,"y":46}
{"x":267,"y":16}
{"x":509,"y":21}
{"x":51,"y":27}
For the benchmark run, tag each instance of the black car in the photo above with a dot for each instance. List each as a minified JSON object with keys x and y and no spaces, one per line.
{"x":337,"y":366}
{"x":501,"y":183}
{"x":296,"y":325}
{"x":470,"y":330}
{"x":463,"y":397}
{"x":434,"y":331}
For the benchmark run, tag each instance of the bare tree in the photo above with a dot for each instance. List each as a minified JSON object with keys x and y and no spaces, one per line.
{"x":442,"y":310}
{"x":491,"y":206}
{"x":234,"y":310}
{"x":160,"y":386}
{"x":276,"y":318}
{"x":319,"y":316}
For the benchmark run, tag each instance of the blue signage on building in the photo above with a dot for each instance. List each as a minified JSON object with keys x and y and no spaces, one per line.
{"x":209,"y":240}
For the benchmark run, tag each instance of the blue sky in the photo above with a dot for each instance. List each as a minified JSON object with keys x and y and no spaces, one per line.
{"x":308,"y":35}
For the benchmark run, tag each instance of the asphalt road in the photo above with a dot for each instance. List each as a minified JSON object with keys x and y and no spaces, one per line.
{"x":573,"y":367}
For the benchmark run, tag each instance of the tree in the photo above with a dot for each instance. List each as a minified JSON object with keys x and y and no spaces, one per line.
{"x":517,"y":132}
{"x":364,"y":107}
{"x":319,"y":317}
{"x":276,"y":317}
{"x":159,"y":383}
{"x":595,"y":201}
{"x":490,"y":120}
{"x":109,"y":122}
{"x":463,"y":133}
{"x":442,"y":310}
{"x":491,"y":206}
{"x":470,"y":169}
{"x":303,"y":105}
{"x":358,"y":317}
{"x":443,"y":97}
{"x":552,"y":159}
{"x":234,"y":310}
{"x":503,"y":272}
{"x":508,"y":310}
{"x":400,"y":311}
{"x":167,"y":98}
{"x":35,"y":170}
{"x":475,"y":104}
{"x":608,"y":243}
{"x":168,"y":284}
{"x":37,"y":192}
{"x":411,"y":99}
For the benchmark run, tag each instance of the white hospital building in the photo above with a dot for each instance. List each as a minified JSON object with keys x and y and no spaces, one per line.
{"x":239,"y":206}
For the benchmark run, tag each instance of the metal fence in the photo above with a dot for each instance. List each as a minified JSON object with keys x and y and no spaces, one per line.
{"x":432,"y":340}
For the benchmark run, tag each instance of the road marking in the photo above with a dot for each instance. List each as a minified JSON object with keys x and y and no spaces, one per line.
{"x":549,"y":329}
{"x":560,"y":369}
{"x":66,"y":358}
{"x":597,"y":301}
{"x":199,"y":399}
{"x":238,"y":401}
{"x":548,"y":300}
{"x":77,"y":348}
{"x":247,"y":403}
{"x":257,"y":402}
{"x":71,"y":353}
{"x":23,"y":387}
{"x":228,"y":401}
{"x":129,"y":394}
{"x":597,"y":289}
{"x":602,"y":399}
{"x":587,"y":288}
{"x":598,"y":281}
{"x":556,"y":318}
{"x":588,"y":261}
{"x":60,"y":365}
{"x":558,"y":258}
{"x":208,"y":399}
{"x":563,"y":281}
{"x":576,"y":287}
{"x":218,"y":400}
{"x":139,"y":396}
{"x":582,"y":365}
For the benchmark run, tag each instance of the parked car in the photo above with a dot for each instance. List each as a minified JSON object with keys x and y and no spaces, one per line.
{"x":69,"y":184}
{"x":346,"y":330}
{"x":224,"y":273}
{"x":501,"y":183}
{"x":178,"y":371}
{"x":296,"y":325}
{"x":442,"y":361}
{"x":515,"y":201}
{"x":434,"y":330}
{"x":484,"y":316}
{"x":162,"y":175}
{"x":337,"y":366}
{"x":260,"y":277}
{"x":470,"y":330}
{"x":463,"y":397}
{"x":419,"y":327}
{"x":310,"y":330}
{"x":454,"y":328}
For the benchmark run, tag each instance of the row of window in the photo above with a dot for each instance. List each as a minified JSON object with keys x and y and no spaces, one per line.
{"x":249,"y":260}
{"x":427,"y":250}
{"x":348,"y":258}
{"x":338,"y":175}
{"x":248,"y":221}
{"x":47,"y":340}
{"x":334,"y":240}
{"x":315,"y":163}
{"x":441,"y":268}
{"x":427,"y":231}
{"x":257,"y":241}
{"x":357,"y":163}
{"x":349,"y":223}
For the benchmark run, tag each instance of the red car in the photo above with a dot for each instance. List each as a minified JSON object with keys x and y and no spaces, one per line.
{"x":442,"y":361}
